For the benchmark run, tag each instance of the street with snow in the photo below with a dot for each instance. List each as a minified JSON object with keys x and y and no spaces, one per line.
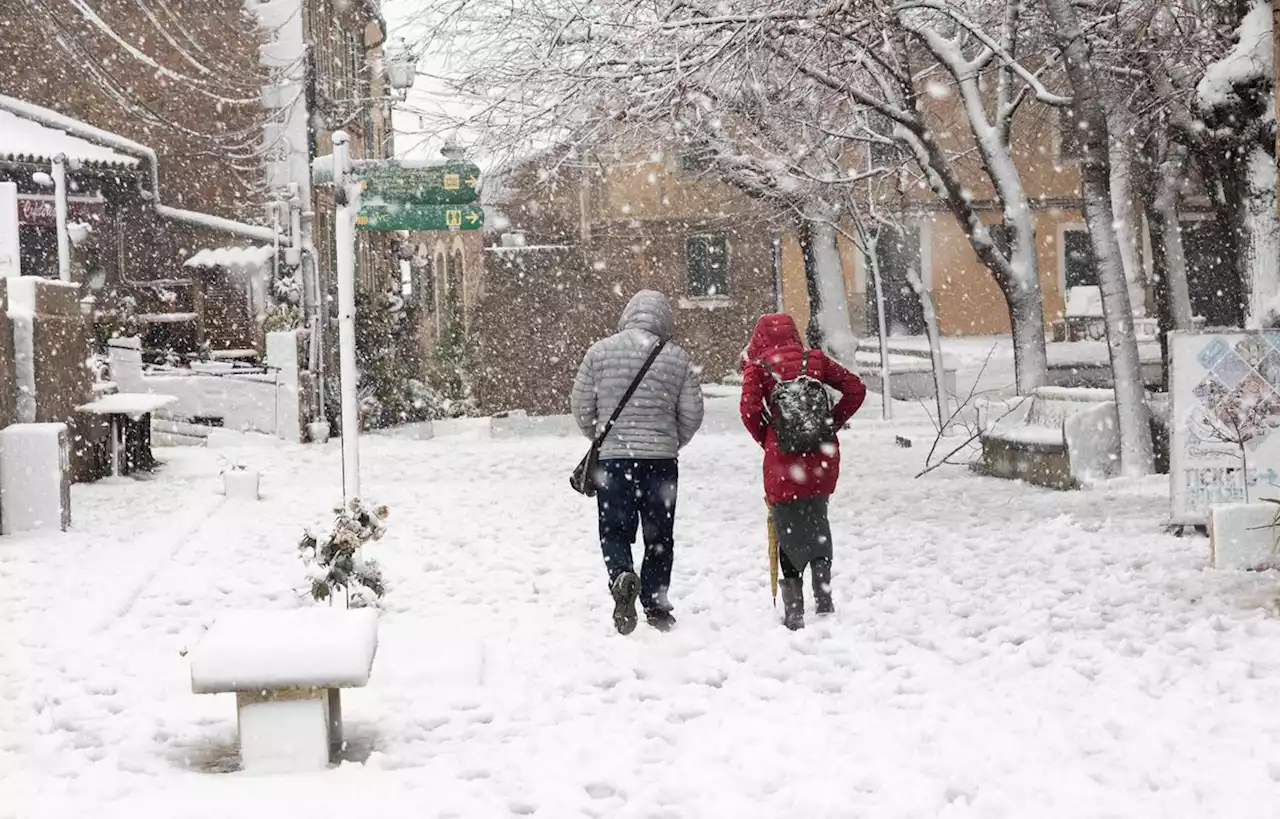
{"x":999,"y":650}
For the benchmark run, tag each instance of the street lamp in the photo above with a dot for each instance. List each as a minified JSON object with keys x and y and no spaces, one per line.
{"x":401,"y":68}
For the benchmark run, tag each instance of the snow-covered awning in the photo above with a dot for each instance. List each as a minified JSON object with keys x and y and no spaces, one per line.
{"x":25,"y":140}
{"x":252,"y":257}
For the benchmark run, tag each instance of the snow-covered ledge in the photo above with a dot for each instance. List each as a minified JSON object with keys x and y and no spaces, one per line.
{"x":705,"y":303}
{"x":286,"y":669}
{"x":1244,"y":536}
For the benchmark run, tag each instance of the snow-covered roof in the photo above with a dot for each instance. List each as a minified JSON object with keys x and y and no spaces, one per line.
{"x":235,"y":258}
{"x":27,"y":140}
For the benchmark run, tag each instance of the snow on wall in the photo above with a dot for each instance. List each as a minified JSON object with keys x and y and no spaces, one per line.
{"x":22,"y":313}
{"x":267,"y":403}
{"x":285,"y":136}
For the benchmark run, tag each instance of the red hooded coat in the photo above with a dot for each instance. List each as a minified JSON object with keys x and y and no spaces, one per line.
{"x":791,"y":477}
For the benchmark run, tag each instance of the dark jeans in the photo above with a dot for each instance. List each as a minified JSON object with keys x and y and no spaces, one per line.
{"x":804,"y":535}
{"x":645,"y":492}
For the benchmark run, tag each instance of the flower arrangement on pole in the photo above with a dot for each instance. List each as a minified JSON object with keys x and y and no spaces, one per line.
{"x":334,"y":560}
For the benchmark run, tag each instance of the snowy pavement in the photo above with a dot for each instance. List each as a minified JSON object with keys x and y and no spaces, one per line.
{"x":999,"y":650}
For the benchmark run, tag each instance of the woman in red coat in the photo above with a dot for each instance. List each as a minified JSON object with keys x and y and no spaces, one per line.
{"x":796,"y":485}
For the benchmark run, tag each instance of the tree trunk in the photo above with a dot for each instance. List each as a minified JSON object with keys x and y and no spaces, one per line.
{"x":1136,"y":457}
{"x":1165,"y":206}
{"x":813,"y":333}
{"x":1126,"y":222}
{"x":886,"y":390}
{"x":1160,"y":195}
{"x":1026,"y":318}
{"x":935,"y":350}
{"x":833,"y":302}
{"x":1261,"y":230}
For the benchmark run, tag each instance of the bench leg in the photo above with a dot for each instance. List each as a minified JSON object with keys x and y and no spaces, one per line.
{"x":284,"y":731}
{"x":335,"y":722}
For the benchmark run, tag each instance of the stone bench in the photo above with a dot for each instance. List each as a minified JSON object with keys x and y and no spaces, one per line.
{"x":1057,"y":437}
{"x":286,"y":669}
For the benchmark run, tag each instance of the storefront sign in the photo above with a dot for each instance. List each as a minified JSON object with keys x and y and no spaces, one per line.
{"x":1225,"y":436}
{"x":40,"y":211}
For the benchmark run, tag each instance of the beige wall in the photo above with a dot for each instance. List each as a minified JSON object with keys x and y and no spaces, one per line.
{"x":965,"y":294}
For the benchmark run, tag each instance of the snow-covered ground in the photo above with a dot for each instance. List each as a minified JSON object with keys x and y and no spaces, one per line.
{"x":999,"y":650}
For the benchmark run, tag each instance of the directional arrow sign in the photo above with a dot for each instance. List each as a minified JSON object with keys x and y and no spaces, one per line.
{"x":420,"y":183}
{"x":373,"y":216}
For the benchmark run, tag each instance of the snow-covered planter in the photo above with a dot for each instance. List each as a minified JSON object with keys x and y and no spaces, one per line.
{"x":335,"y":566}
{"x":511,"y":424}
{"x":1245,"y":535}
{"x":240,"y":483}
{"x":318,"y":432}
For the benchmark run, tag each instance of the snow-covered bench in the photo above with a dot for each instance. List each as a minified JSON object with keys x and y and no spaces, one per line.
{"x":1057,"y":437}
{"x":286,"y":669}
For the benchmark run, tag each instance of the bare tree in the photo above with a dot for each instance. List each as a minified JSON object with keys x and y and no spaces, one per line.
{"x":1136,"y":454}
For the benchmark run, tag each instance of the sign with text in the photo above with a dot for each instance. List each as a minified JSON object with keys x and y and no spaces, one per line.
{"x":1225,"y":420}
{"x":42,"y":211}
{"x":419,"y":217}
{"x":449,"y":183}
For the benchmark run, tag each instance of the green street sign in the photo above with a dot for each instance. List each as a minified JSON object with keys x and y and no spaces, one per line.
{"x":448,"y":183}
{"x":373,"y":216}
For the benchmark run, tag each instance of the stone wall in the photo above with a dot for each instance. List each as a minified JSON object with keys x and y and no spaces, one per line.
{"x":58,"y":375}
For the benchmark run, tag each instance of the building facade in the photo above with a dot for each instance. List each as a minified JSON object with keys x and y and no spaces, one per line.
{"x":231,"y":101}
{"x":561,"y":258}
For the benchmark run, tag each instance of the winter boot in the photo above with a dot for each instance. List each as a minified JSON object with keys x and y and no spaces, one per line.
{"x":661,"y":619}
{"x":792,"y":603}
{"x":821,"y":569}
{"x":625,"y":590}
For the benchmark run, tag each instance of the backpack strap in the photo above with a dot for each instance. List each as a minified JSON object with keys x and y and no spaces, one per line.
{"x":770,"y":370}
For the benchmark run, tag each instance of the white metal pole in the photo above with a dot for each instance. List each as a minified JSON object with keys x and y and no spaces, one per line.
{"x":60,"y":208}
{"x":873,"y":247}
{"x":348,"y":202}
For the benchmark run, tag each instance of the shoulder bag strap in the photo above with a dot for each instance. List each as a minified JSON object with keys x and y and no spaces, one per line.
{"x":626,"y":396}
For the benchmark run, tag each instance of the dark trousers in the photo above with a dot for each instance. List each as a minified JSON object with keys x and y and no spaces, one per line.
{"x":644,"y":492}
{"x":804,"y":535}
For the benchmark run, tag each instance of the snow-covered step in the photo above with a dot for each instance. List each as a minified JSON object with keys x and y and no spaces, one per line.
{"x":173,"y":432}
{"x":173,"y":439}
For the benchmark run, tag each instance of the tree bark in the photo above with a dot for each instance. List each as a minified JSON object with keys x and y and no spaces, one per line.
{"x":814,"y":336}
{"x":828,"y":279}
{"x":1136,"y":457}
{"x":1161,"y":192}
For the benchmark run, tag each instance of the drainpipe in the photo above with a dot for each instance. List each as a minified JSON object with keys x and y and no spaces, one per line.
{"x":147,"y":156}
{"x":59,"y":173}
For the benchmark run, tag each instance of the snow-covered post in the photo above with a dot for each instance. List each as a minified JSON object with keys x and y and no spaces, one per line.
{"x":10,"y":247}
{"x":347,"y":200}
{"x":60,"y":209}
{"x":873,"y":250}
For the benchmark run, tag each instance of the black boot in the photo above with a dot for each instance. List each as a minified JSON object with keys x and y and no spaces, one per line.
{"x":661,"y":619}
{"x":792,"y":603}
{"x":625,"y":590}
{"x":821,"y":569}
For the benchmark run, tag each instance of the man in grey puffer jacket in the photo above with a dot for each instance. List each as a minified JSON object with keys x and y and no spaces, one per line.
{"x":638,"y":472}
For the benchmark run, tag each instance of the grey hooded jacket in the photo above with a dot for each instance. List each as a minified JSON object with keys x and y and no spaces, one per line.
{"x":666,"y":409}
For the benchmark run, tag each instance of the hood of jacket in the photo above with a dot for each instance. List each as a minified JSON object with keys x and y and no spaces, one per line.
{"x":773,"y":332}
{"x":649,"y":310}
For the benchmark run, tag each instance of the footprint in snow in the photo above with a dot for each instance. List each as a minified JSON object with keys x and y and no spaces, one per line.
{"x":600,"y":790}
